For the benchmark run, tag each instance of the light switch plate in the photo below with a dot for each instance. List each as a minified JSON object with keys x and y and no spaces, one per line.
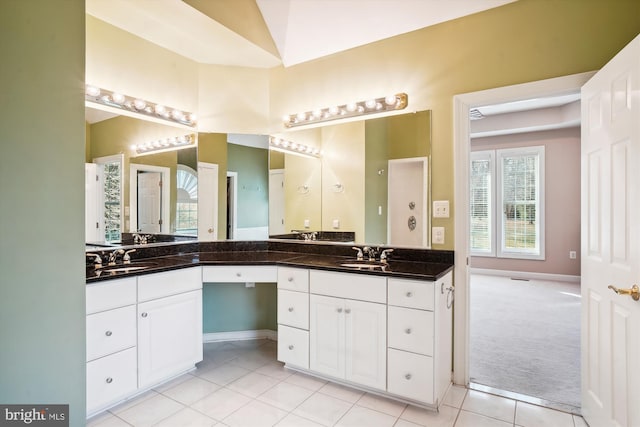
{"x":336,"y":224}
{"x":441,"y":209}
{"x":437,"y":235}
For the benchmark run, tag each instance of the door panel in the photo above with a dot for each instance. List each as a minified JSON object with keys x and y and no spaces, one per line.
{"x":611,"y":241}
{"x":326,"y":335}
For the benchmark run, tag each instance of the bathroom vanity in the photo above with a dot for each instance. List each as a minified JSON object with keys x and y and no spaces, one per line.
{"x":385,"y":329}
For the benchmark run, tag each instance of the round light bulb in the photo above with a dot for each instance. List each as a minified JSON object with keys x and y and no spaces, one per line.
{"x":390,"y":100}
{"x":301,"y":116}
{"x":160,"y":109}
{"x":334,"y":110}
{"x":118,"y":98}
{"x":92,"y":90}
{"x":140,"y":104}
{"x":370,"y":103}
{"x":351,"y":107}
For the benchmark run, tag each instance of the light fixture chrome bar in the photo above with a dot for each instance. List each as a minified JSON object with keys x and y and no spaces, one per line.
{"x":371,"y":106}
{"x":289,"y":147}
{"x":136,"y":105}
{"x":166,"y":144}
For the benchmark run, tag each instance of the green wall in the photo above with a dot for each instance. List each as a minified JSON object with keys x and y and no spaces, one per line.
{"x":42,"y":295}
{"x":251,"y":164}
{"x":233,"y":307}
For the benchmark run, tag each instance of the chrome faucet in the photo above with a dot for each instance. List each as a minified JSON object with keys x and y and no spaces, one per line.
{"x":384,"y":255}
{"x":97,"y":260}
{"x":113,"y":256}
{"x":359,"y":255}
{"x":126,"y":258}
{"x":371,"y":251}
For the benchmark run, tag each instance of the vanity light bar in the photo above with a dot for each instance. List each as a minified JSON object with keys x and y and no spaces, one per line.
{"x":137,"y":105}
{"x":168,"y":144}
{"x":398,"y":101}
{"x":285,"y":146}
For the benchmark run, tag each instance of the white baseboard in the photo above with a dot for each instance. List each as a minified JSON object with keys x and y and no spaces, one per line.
{"x":527,"y":275}
{"x":240,"y":336}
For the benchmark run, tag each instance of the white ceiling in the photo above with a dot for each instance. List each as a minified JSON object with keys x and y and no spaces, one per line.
{"x":302,"y":30}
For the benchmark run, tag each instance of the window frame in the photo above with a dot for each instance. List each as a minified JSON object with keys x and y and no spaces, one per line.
{"x":497,"y":214}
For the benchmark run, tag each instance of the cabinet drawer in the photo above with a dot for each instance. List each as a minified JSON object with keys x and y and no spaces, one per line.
{"x":346,"y":285}
{"x":173,"y":282}
{"x":111,"y":331}
{"x":293,"y":346}
{"x":411,"y":330}
{"x":110,"y":294}
{"x":293,"y":308}
{"x":411,"y":293}
{"x":410,"y":375}
{"x":110,"y":379}
{"x":294,"y":279}
{"x":240,"y":273}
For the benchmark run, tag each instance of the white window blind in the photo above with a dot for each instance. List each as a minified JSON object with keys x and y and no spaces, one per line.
{"x":481,"y":203}
{"x":507,"y":203}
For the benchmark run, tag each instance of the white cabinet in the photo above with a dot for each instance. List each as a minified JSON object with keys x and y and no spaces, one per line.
{"x":420,"y":333}
{"x":293,"y":316}
{"x":111,"y":342}
{"x":169,"y":327}
{"x":348,"y":336}
{"x":141,"y":331}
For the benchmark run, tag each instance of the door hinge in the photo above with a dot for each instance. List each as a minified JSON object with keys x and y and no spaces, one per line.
{"x":160,"y":183}
{"x":160,"y":222}
{"x":97,"y":178}
{"x":97,"y":225}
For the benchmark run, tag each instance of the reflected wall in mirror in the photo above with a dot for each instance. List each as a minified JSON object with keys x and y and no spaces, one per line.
{"x":158,"y":191}
{"x":347,"y":188}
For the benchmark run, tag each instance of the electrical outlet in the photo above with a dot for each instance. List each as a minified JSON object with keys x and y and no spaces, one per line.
{"x":307,"y":223}
{"x":441,"y":209}
{"x":437,"y":235}
{"x":572,"y":255}
{"x":336,"y":224}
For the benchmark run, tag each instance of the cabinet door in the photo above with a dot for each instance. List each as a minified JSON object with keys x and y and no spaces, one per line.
{"x":169,"y":336}
{"x":326,"y":335}
{"x":293,"y":346}
{"x":365,"y":343}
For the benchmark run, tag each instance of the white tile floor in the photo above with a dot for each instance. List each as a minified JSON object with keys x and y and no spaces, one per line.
{"x":240,"y":384}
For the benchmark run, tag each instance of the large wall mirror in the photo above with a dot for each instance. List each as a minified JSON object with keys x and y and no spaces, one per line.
{"x":372,"y":175}
{"x":370,"y":184}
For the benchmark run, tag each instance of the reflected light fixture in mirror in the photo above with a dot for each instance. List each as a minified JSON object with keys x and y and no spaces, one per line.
{"x":282,"y":145}
{"x":167,"y":144}
{"x":120,"y":101}
{"x":353,"y":109}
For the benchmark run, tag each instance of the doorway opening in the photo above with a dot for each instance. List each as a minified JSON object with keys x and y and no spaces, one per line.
{"x":232,"y":204}
{"x":464,"y":105}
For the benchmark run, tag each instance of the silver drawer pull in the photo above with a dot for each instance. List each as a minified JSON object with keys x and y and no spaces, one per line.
{"x":291,"y":347}
{"x":290,"y":309}
{"x":407,"y":377}
{"x":109,"y":380}
{"x":108,"y":333}
{"x":290,"y":279}
{"x":238,"y":274}
{"x":409,"y":294}
{"x":347,"y":310}
{"x":339,"y":310}
{"x":144,"y":314}
{"x":407,"y":331}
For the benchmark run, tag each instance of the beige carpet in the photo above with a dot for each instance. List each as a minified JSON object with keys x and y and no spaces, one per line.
{"x":525,"y":337}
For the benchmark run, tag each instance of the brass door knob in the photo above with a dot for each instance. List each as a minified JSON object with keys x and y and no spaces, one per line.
{"x":633,"y":292}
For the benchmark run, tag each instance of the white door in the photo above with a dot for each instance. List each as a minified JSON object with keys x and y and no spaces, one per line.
{"x":169,"y":336}
{"x":207,"y":201}
{"x":276,"y":202}
{"x":326,"y":335}
{"x":149,"y":202}
{"x":611,"y":241}
{"x":366,"y":343}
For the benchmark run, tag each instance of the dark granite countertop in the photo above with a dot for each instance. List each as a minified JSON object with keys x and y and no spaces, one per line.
{"x":430,"y":269}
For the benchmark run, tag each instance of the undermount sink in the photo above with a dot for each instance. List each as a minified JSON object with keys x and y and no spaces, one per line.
{"x":364,"y":264}
{"x":125,"y":268}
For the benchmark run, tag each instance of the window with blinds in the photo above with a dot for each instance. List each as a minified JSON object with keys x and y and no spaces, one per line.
{"x":481,"y":203}
{"x":515,"y":205}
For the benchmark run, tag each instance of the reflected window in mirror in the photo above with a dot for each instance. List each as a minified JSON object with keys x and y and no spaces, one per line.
{"x":187,"y":204}
{"x":109,"y":173}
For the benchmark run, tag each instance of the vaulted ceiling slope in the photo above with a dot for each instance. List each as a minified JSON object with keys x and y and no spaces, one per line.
{"x":268,"y":33}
